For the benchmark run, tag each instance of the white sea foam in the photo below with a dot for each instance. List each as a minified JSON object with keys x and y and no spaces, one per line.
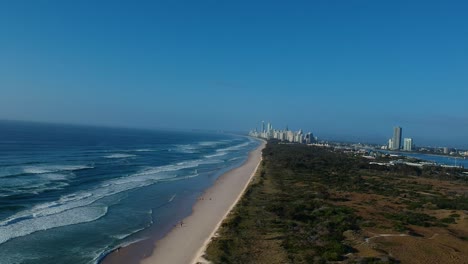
{"x":213,"y":161}
{"x":172,"y":198}
{"x":209,"y":143}
{"x":99,"y":256}
{"x":128,"y":234}
{"x":233,"y":148}
{"x":34,"y":184}
{"x":55,"y":176}
{"x":219,"y":154}
{"x":123,"y":236}
{"x":65,"y":218}
{"x":31,"y":189}
{"x":236,"y":158}
{"x":170,"y":167}
{"x":39,"y":169}
{"x":36,"y":170}
{"x":144,"y":150}
{"x":119,"y":156}
{"x":33,"y":219}
{"x":181,"y":178}
{"x":186,"y":148}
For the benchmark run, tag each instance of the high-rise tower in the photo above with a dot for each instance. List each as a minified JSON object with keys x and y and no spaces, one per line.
{"x":408,"y":144}
{"x":396,"y":138}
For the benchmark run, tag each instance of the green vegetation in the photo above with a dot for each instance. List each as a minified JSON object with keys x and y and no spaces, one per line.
{"x":287,"y":212}
{"x":412,"y":218}
{"x":303,"y":199}
{"x":287,"y":209}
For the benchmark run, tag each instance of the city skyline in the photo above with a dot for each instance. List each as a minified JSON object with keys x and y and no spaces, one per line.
{"x":396,"y":143}
{"x":331,"y":67}
{"x":343,"y":138}
{"x":301,"y":131}
{"x":269,"y":132}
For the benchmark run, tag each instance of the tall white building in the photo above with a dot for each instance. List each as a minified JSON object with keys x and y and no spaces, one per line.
{"x":408,"y":144}
{"x":290,"y":136}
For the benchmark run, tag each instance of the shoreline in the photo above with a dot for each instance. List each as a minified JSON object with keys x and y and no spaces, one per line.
{"x":187,"y":241}
{"x":198,"y":258}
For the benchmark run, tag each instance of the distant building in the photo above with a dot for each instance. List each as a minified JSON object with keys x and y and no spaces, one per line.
{"x":290,"y":136}
{"x":390,"y":143}
{"x":408,"y":144}
{"x":446,"y":150}
{"x":284,"y":135}
{"x":396,"y":138}
{"x":309,"y":138}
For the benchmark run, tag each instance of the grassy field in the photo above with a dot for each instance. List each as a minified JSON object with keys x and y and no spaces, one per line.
{"x":317,"y":205}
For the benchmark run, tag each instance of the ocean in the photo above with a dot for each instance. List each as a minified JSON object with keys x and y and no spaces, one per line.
{"x":439,"y":159}
{"x":434,"y":158}
{"x":72,"y":194}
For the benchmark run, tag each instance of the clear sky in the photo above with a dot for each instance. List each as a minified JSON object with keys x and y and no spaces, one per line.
{"x":343,"y":69}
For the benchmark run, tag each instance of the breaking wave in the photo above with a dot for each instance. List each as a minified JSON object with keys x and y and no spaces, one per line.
{"x":119,"y":156}
{"x":27,"y":226}
{"x":79,"y":207}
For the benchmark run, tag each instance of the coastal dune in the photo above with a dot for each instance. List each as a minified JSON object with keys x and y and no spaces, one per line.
{"x":187,"y":241}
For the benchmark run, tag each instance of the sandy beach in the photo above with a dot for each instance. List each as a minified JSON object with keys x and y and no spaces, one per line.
{"x":187,"y":241}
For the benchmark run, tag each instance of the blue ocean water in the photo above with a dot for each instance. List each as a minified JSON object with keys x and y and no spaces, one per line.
{"x":439,"y":159}
{"x":71,"y":194}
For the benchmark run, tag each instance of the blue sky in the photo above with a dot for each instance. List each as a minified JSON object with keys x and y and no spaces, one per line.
{"x":343,"y":69}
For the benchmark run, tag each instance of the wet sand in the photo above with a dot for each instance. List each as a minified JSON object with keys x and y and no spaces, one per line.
{"x":186,"y":242}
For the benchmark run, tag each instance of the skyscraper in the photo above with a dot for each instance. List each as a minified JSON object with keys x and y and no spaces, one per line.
{"x":396,"y":138}
{"x":408,"y":144}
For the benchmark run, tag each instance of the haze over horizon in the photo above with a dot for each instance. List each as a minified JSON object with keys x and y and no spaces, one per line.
{"x":343,"y":70}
